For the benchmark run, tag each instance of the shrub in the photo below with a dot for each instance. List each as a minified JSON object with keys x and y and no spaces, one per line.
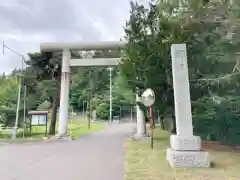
{"x":102,"y":111}
{"x":217,"y":121}
{"x":44,"y":106}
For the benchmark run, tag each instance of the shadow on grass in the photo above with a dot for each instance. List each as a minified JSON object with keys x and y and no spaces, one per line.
{"x":76,"y":128}
{"x":161,"y":136}
{"x":220,"y":148}
{"x":161,"y":139}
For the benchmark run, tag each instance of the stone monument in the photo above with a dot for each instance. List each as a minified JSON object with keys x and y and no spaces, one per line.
{"x":185,"y":151}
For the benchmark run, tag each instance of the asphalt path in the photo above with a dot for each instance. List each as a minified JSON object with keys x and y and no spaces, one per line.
{"x":98,"y":156}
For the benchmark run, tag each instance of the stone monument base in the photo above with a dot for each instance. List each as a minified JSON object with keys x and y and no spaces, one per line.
{"x":181,"y":143}
{"x":185,"y":152}
{"x":187,"y":159}
{"x":62,"y":137}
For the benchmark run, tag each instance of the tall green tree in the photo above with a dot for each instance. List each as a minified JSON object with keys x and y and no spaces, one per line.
{"x":43,"y":76}
{"x":150,"y":32}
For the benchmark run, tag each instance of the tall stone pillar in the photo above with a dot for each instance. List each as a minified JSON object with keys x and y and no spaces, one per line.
{"x":64,"y":95}
{"x":185,"y":151}
{"x":141,"y":123}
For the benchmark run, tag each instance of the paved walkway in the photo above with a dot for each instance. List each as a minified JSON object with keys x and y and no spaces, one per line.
{"x":99,"y":156}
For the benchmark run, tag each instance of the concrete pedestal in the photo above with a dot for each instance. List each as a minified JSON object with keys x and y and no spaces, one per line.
{"x":180,"y":143}
{"x":62,"y":137}
{"x":141,"y":125}
{"x":185,"y":152}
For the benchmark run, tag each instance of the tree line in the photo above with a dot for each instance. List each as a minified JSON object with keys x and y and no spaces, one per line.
{"x":210,"y":30}
{"x":42,"y":78}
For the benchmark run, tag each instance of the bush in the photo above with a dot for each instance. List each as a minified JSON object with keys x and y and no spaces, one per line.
{"x":102,"y":111}
{"x":217,"y":121}
{"x":7,"y":115}
{"x":44,"y":106}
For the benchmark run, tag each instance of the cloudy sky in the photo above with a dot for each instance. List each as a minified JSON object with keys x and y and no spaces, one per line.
{"x":26,"y":23}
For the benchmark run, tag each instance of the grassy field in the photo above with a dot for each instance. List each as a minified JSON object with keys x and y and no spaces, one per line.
{"x":143,"y":163}
{"x":77,"y":128}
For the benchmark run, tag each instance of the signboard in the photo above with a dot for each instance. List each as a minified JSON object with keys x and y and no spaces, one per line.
{"x":42,"y":120}
{"x":39,"y":120}
{"x":34,"y":120}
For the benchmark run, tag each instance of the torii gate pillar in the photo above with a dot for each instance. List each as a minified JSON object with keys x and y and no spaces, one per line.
{"x":64,"y":94}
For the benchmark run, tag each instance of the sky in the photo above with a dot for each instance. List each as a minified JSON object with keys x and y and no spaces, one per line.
{"x":24,"y":24}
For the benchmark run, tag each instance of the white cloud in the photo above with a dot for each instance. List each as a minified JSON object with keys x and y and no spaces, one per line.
{"x":25,"y":24}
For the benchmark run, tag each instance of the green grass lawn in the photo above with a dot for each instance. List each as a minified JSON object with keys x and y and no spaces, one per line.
{"x":76,"y":129}
{"x":143,"y":163}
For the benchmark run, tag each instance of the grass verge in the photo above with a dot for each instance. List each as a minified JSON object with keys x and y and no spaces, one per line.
{"x":143,"y":163}
{"x":77,"y":128}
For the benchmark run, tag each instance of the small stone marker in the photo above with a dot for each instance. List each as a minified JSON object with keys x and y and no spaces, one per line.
{"x":185,"y":147}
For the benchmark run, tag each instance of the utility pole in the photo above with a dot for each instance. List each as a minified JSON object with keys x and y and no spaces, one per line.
{"x":120,"y":114}
{"x":24,"y":107}
{"x":131,"y":115}
{"x":110,"y":94}
{"x":89,"y":98}
{"x":83,"y":109}
{"x":14,"y":133}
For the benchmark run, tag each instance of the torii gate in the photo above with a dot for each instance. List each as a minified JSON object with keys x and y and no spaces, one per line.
{"x":67,"y":62}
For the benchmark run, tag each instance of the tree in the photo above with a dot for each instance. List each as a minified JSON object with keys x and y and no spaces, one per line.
{"x":150,"y":32}
{"x":95,"y":80}
{"x":45,"y":76}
